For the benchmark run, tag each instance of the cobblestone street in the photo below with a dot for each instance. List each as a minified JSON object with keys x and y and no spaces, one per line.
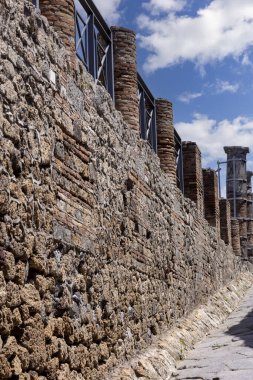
{"x":227,"y":353}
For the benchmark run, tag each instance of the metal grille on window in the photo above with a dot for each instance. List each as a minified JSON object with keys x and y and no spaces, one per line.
{"x":36,"y":3}
{"x":147,"y":114}
{"x":93,"y":43}
{"x":81,"y":37}
{"x":179,"y":161}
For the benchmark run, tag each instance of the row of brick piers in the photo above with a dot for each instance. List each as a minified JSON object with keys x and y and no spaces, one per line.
{"x":232,"y":217}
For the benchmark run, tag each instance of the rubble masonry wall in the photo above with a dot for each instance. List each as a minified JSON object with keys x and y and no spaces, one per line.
{"x":99,"y":250}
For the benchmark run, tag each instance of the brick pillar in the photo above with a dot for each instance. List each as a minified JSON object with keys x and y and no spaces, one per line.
{"x":211,"y":198}
{"x":250,"y":214}
{"x":193,"y":177}
{"x":249,"y":195}
{"x":125,"y":75}
{"x":165,"y":137}
{"x":60,"y":14}
{"x":235,"y":233}
{"x":237,"y":189}
{"x":225,"y":221}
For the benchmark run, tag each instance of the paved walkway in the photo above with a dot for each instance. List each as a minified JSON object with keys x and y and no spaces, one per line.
{"x":227,"y":353}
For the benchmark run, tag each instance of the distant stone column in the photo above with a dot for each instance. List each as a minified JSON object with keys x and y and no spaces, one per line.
{"x":235,"y":237}
{"x":237,"y":189}
{"x":193,"y":176}
{"x":60,"y":14}
{"x":211,"y":198}
{"x":225,"y":221}
{"x":125,"y":76}
{"x":166,"y":137}
{"x":237,"y":179}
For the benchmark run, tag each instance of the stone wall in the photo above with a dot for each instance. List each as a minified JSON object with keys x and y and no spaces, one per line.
{"x":99,"y":250}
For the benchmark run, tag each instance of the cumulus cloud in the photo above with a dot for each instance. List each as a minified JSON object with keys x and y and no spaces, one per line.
{"x":211,"y":135}
{"x":158,"y":6}
{"x":109,"y":9}
{"x":187,"y":97}
{"x":225,"y":86}
{"x":221,"y":29}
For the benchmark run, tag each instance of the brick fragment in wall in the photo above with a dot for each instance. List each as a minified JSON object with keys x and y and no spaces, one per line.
{"x":211,"y":198}
{"x":235,"y":232}
{"x":225,"y":221}
{"x":193,"y":177}
{"x":99,"y":250}
{"x":125,"y":76}
{"x":165,"y":137}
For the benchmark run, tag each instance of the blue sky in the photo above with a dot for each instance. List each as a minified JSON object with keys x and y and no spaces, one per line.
{"x":199,"y":55}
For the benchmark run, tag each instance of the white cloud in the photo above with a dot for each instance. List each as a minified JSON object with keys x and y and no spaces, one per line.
{"x":225,"y":86}
{"x":157,"y":6}
{"x":212,"y":135}
{"x":109,"y":9}
{"x":221,"y":29}
{"x":187,"y":97}
{"x":246,"y":60}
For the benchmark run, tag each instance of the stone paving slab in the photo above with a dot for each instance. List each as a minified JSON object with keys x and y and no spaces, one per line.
{"x":227,"y":353}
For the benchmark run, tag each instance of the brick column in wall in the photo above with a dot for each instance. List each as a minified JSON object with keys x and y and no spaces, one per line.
{"x":166,"y":137}
{"x":249,"y":214}
{"x":125,"y":75}
{"x":235,"y":233}
{"x":211,"y":198}
{"x":193,"y":177}
{"x":249,"y":195}
{"x":250,"y":238}
{"x":60,"y":14}
{"x":225,"y":221}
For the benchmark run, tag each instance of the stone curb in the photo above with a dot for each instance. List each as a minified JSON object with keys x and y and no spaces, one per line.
{"x":159,"y":362}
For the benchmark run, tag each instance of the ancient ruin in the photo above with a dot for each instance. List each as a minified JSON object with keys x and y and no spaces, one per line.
{"x":110,"y":231}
